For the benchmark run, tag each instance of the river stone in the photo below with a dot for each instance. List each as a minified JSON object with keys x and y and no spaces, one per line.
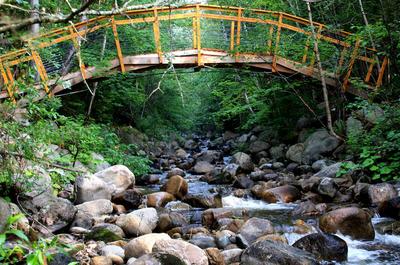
{"x":101,"y":260}
{"x":203,"y":167}
{"x":106,"y":232}
{"x":113,"y":250}
{"x":390,"y":208}
{"x":318,"y":144}
{"x":176,"y":186}
{"x":180,"y":153}
{"x":258,"y":146}
{"x":255,"y":228}
{"x":157,"y":259}
{"x":189,"y":253}
{"x":130,"y":199}
{"x":243,"y":182}
{"x":324,"y":246}
{"x":176,"y":172}
{"x":277,"y":152}
{"x":274,"y":253}
{"x":167,"y":221}
{"x":55,"y":213}
{"x":143,"y":245}
{"x":210,"y":156}
{"x":61,"y":259}
{"x":327,"y":187}
{"x":224,"y":238}
{"x":5,"y":212}
{"x":96,"y":208}
{"x":244,"y":161}
{"x":295,"y":153}
{"x":329,"y":171}
{"x":214,"y":256}
{"x":351,"y":221}
{"x":286,"y":194}
{"x":232,"y":255}
{"x":203,"y":241}
{"x":139,"y":222}
{"x":204,"y":200}
{"x":381,"y":192}
{"x":90,"y":188}
{"x":159,"y":199}
{"x":117,"y":177}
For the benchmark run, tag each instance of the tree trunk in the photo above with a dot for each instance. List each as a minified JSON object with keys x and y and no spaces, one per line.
{"x":323,"y":81}
{"x":35,"y":15}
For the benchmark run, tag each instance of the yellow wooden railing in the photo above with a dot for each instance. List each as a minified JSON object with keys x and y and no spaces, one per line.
{"x":279,"y":33}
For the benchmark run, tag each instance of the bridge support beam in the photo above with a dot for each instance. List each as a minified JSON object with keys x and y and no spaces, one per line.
{"x":117,"y":44}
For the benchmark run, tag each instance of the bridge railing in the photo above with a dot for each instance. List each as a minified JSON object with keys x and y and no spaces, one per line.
{"x":194,"y":27}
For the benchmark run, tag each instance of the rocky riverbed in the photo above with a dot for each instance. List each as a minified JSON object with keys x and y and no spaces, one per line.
{"x":235,"y":199}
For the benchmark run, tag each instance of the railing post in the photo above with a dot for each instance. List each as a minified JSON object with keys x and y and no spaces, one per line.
{"x":117,"y":44}
{"x":156,"y":31}
{"x":232,"y":44}
{"x":198,"y":36}
{"x":369,"y":73}
{"x":278,"y":38}
{"x":351,"y":64}
{"x":82,"y":66}
{"x":41,"y":70}
{"x":269,"y":42}
{"x":238,"y":33}
{"x":7,"y":83}
{"x":382,"y":72}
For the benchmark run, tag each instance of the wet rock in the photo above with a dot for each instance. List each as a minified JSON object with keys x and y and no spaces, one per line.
{"x":214,"y":256}
{"x":381,"y":192}
{"x":390,"y":208}
{"x":90,"y":188}
{"x":327,"y":187}
{"x":295,"y":153}
{"x":308,"y":208}
{"x":203,"y":167}
{"x":131,"y":198}
{"x":203,"y":241}
{"x":204,"y":200}
{"x":189,"y":253}
{"x":176,"y":186}
{"x":158,"y":259}
{"x":106,"y":233}
{"x":278,"y":165}
{"x":255,"y":228}
{"x":232,"y":255}
{"x":117,"y":177}
{"x":258,"y":146}
{"x":167,"y":221}
{"x":211,"y":217}
{"x":55,"y":213}
{"x":111,"y":250}
{"x":143,"y":245}
{"x":159,"y":199}
{"x":139,"y":222}
{"x":324,"y":246}
{"x":224,"y":238}
{"x":243,"y":182}
{"x":101,"y":260}
{"x":388,"y":227}
{"x":5,"y":211}
{"x":286,"y":193}
{"x":176,"y":172}
{"x":230,"y":171}
{"x":351,"y":221}
{"x":269,"y":252}
{"x":244,"y":161}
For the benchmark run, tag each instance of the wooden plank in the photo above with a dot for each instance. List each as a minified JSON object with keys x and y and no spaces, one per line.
{"x":369,"y":73}
{"x":351,"y":64}
{"x":277,"y":40}
{"x":198,"y":35}
{"x":117,"y":44}
{"x":156,"y":31}
{"x":382,"y":72}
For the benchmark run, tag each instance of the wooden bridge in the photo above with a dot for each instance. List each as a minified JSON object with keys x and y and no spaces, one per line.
{"x":189,"y":36}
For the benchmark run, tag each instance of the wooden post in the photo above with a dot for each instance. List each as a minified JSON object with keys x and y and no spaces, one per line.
{"x":382,"y":72}
{"x":198,"y":36}
{"x":194,"y":26}
{"x":41,"y":70}
{"x":232,"y":45}
{"x":269,"y":42}
{"x":238,"y":33}
{"x":278,"y":38}
{"x":351,"y":64}
{"x":117,"y":44}
{"x":78,"y":53}
{"x":156,"y":30}
{"x":7,"y":83}
{"x":369,"y":73}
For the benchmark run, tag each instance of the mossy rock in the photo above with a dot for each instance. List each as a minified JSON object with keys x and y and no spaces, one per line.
{"x":103,"y":234}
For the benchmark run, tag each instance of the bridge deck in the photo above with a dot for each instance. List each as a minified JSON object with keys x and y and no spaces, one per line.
{"x":189,"y":36}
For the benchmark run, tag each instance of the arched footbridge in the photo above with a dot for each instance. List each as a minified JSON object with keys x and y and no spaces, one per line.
{"x":189,"y":36}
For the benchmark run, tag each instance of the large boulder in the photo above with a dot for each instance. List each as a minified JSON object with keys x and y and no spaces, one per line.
{"x":159,"y":199}
{"x":89,"y":188}
{"x":255,"y":228}
{"x":274,"y":253}
{"x":143,"y":245}
{"x":189,"y":253}
{"x":381,"y":192}
{"x":351,"y":221}
{"x":244,"y":161}
{"x":295,"y":153}
{"x":317,"y":144}
{"x":117,"y":177}
{"x":324,"y":246}
{"x":139,"y":222}
{"x":286,"y":193}
{"x":176,"y":186}
{"x":55,"y":213}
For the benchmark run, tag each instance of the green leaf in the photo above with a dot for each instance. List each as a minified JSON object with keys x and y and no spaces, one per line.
{"x":2,"y":239}
{"x":19,"y":234}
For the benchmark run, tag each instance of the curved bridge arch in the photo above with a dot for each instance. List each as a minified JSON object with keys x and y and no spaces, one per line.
{"x":193,"y":35}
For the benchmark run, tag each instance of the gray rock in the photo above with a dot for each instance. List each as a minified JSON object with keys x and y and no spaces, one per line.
{"x":203,"y":167}
{"x":189,"y":253}
{"x":143,"y":245}
{"x":372,"y":113}
{"x":113,"y":250}
{"x":224,"y":238}
{"x":96,"y":208}
{"x":90,"y":188}
{"x":203,"y":241}
{"x":230,"y":170}
{"x":258,"y":146}
{"x":329,"y":171}
{"x":244,"y":161}
{"x":354,"y":127}
{"x":5,"y":212}
{"x":232,"y":255}
{"x":118,"y":178}
{"x":139,"y":222}
{"x":158,"y":259}
{"x":295,"y":153}
{"x":275,"y":253}
{"x":381,"y":192}
{"x":317,"y":144}
{"x":327,"y":187}
{"x":255,"y":228}
{"x":210,"y":156}
{"x":277,"y":152}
